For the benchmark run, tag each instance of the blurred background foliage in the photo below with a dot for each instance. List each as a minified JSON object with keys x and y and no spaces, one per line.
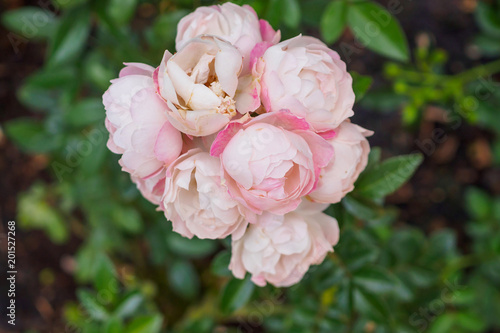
{"x":99,"y":258}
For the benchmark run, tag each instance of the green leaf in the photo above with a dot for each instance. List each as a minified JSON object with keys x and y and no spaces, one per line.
{"x":190,"y":248}
{"x":333,"y":20}
{"x":443,"y":323}
{"x":420,"y":277}
{"x":383,"y":101}
{"x":236,"y":294}
{"x":74,"y":314}
{"x":86,"y":257}
{"x":312,"y":10}
{"x":401,"y":290}
{"x":184,"y":279}
{"x":92,"y":162}
{"x":356,"y":250}
{"x":30,"y":22}
{"x":128,"y":305}
{"x":443,"y":245}
{"x":274,"y":13}
{"x":156,"y":236}
{"x":361,"y":208}
{"x":478,"y":203}
{"x":94,"y":308}
{"x":121,"y":11}
{"x":59,"y":77}
{"x":35,"y":212}
{"x":37,"y":98}
{"x":378,"y":30}
{"x":344,"y":296}
{"x":488,"y":19}
{"x":374,"y":157}
{"x":86,"y":112}
{"x":204,"y":324}
{"x":91,"y":327}
{"x":68,"y":3}
{"x":113,"y":325}
{"x":388,"y":176}
{"x":406,"y":244}
{"x":145,"y":324}
{"x":105,"y":281}
{"x":98,"y":70}
{"x":488,"y":45}
{"x":291,"y":13}
{"x":371,"y":304}
{"x":30,"y":135}
{"x":70,"y":38}
{"x":470,"y":321}
{"x":486,"y":114}
{"x":374,"y":279}
{"x":220,"y":264}
{"x":127,"y":218}
{"x":496,"y":209}
{"x":360,"y":84}
{"x":164,"y":28}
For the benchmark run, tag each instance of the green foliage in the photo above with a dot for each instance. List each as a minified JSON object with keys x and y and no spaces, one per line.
{"x":382,"y":179}
{"x":470,"y":95}
{"x":136,"y":275}
{"x":489,"y":21}
{"x":37,"y":212}
{"x":360,"y":84}
{"x":378,"y":30}
{"x":145,"y":324}
{"x":374,"y":27}
{"x":220,"y":264}
{"x":32,"y":136}
{"x":164,"y":29}
{"x":30,"y":22}
{"x":283,"y":11}
{"x":86,"y":112}
{"x":236,"y":294}
{"x":334,"y":20}
{"x":70,"y":37}
{"x":121,"y":11}
{"x":184,"y":279}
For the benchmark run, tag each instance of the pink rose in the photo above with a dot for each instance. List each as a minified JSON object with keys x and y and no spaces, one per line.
{"x":303,"y":75}
{"x":138,"y":127}
{"x":239,"y":26}
{"x":350,"y":158}
{"x":270,"y":162}
{"x":199,"y":83}
{"x":151,"y":188}
{"x":280,"y":249}
{"x":195,"y":200}
{"x":249,"y":90}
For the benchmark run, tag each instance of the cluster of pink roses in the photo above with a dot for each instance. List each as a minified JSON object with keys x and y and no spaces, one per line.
{"x":240,"y":134}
